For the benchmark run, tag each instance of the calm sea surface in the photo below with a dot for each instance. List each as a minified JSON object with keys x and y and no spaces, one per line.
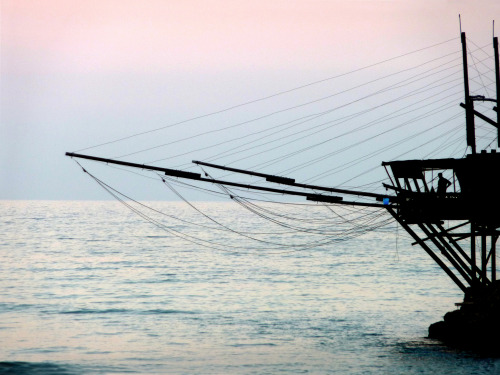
{"x":91,"y":288}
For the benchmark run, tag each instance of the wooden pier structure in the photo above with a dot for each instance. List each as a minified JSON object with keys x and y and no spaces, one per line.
{"x":468,"y":197}
{"x":422,"y":196}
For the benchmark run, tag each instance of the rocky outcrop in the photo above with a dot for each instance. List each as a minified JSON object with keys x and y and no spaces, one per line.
{"x":475,"y":325}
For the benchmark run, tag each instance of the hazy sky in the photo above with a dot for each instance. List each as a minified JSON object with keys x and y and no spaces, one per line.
{"x":78,"y":73}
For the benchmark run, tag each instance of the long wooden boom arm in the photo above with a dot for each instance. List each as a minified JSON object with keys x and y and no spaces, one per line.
{"x":291,"y":182}
{"x":197,"y":176}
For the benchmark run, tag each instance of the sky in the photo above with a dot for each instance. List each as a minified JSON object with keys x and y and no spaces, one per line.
{"x":79,"y":73}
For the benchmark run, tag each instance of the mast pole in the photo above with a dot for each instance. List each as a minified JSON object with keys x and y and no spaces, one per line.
{"x":497,"y":79}
{"x":469,"y":105}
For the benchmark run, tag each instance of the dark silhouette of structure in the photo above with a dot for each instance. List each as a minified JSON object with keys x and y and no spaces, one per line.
{"x":470,"y":200}
{"x":473,"y":205}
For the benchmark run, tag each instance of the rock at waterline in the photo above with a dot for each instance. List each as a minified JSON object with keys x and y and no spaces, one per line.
{"x":476,"y":324}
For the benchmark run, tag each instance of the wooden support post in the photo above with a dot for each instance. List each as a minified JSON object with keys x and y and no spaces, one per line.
{"x":407,"y":184}
{"x":448,"y":252}
{"x":428,"y":250}
{"x":473,"y":251}
{"x":494,"y":258}
{"x":473,"y":269}
{"x":469,"y":104}
{"x":484,"y":259}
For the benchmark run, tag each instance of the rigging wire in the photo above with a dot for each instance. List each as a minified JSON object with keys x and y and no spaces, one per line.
{"x":120,"y":197}
{"x":273,"y":161}
{"x":266,"y":97}
{"x":287,"y":109}
{"x":258,"y":213}
{"x":347,"y":147}
{"x":346,"y":90}
{"x":353,"y":226}
{"x":312,"y":116}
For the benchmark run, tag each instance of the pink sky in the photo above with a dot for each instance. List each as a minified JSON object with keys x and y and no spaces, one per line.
{"x":155,"y":35}
{"x":74,"y":72}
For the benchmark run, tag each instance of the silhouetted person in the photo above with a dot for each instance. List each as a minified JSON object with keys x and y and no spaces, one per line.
{"x":443,"y":184}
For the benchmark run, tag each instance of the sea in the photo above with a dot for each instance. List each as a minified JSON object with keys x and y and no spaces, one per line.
{"x":93,"y":288}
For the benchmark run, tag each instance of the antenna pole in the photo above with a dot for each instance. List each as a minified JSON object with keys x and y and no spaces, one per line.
{"x":497,"y":78}
{"x":469,"y":105}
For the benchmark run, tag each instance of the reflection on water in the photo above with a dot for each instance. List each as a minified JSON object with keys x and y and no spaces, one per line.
{"x":87,"y":287}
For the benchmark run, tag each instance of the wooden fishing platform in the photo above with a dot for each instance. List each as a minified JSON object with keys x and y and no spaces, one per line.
{"x":468,"y":198}
{"x":422,"y":196}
